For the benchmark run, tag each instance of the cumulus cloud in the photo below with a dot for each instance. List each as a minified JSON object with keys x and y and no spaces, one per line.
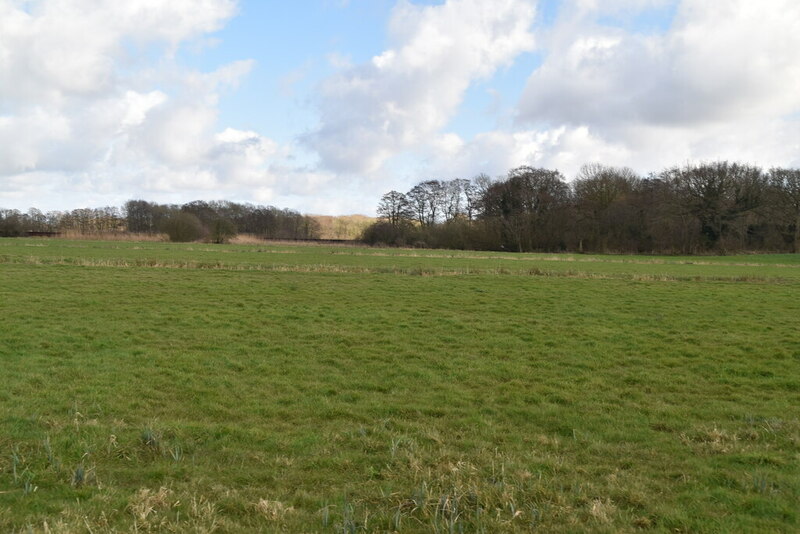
{"x":701,"y":89}
{"x":718,"y":82}
{"x":402,"y":97}
{"x":717,"y":62}
{"x":95,"y":105}
{"x":715,"y":81}
{"x":59,"y":48}
{"x":495,"y":152}
{"x":93,"y":102}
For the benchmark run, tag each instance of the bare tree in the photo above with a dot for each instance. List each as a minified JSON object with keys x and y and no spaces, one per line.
{"x":426,"y":199}
{"x":529,"y":204}
{"x":140,"y":217}
{"x":11,"y":223}
{"x":785,"y":189}
{"x":475,"y":193}
{"x":394,"y":207}
{"x":418,"y":202}
{"x":436,"y":195}
{"x":718,"y":195}
{"x":600,"y":193}
{"x":453,"y":198}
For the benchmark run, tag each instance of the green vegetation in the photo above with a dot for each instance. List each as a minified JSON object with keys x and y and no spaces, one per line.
{"x":183,"y":227}
{"x":716,"y":207}
{"x":200,"y":388}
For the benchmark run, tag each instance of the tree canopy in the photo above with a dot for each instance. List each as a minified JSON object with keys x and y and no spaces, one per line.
{"x":708,"y":207}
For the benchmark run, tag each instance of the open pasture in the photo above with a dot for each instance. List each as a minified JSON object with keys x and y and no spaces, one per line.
{"x":200,"y":388}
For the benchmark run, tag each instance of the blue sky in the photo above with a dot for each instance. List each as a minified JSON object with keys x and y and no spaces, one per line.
{"x":277,"y":95}
{"x":323,"y":105}
{"x":289,"y":58}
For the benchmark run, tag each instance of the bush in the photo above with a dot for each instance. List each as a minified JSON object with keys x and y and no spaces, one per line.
{"x":11,"y":223}
{"x":222,"y":230}
{"x":384,"y":232}
{"x":182,"y":227}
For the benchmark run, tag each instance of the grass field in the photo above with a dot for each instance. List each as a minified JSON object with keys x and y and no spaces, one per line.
{"x":266,"y":388}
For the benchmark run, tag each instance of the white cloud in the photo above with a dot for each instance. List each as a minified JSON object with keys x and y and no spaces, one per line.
{"x":700,"y":90}
{"x":720,"y":83}
{"x":243,"y":156}
{"x":401,"y":98}
{"x":137,"y":105}
{"x":58,"y":48}
{"x":93,"y":103}
{"x":496,"y":152}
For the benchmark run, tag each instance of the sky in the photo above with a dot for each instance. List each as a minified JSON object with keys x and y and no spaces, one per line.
{"x":323,"y":105}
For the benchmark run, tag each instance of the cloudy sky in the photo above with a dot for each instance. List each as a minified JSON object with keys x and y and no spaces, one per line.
{"x":323,"y":105}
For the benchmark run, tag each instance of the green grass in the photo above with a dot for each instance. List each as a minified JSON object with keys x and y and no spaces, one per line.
{"x":191,"y":388}
{"x":360,"y":260}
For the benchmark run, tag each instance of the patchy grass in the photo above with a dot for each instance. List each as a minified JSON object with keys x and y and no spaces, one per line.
{"x":197,"y":388}
{"x":364,"y":260}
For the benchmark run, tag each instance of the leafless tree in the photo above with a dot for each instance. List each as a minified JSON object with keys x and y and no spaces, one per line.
{"x":719,"y":195}
{"x":394,"y":208}
{"x":785,"y":189}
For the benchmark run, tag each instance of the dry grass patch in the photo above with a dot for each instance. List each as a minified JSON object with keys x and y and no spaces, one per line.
{"x":147,"y":505}
{"x":272,"y":510}
{"x":246,"y":239}
{"x":712,"y":440}
{"x":113,"y":236}
{"x":602,"y":510}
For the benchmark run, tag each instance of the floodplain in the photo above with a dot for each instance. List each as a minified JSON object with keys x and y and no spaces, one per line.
{"x":161,"y":387}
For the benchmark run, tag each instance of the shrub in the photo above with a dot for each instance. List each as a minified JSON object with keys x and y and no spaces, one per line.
{"x":222,"y":230}
{"x":384,"y":232}
{"x":182,"y":227}
{"x":10,"y":223}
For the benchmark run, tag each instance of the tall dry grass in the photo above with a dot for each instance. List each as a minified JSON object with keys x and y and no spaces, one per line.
{"x":247,"y":239}
{"x":342,"y":226}
{"x":111,"y":236}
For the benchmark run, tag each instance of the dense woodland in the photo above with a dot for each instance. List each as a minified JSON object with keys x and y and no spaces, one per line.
{"x":713,"y":207}
{"x":213,"y":221}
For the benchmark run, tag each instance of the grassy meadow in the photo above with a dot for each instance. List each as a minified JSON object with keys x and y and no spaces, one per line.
{"x":159,"y":387}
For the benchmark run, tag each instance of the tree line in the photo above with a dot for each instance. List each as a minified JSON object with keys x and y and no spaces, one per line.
{"x":709,"y":207}
{"x":215,"y":221}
